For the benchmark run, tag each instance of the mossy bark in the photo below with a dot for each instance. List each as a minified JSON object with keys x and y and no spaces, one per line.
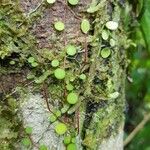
{"x":98,"y":118}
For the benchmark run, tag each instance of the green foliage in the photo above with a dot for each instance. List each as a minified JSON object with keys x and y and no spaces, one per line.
{"x":60,"y":128}
{"x":60,"y":73}
{"x":85,"y":26}
{"x":71,"y":50}
{"x":16,"y":38}
{"x":28,"y":130}
{"x":51,"y":1}
{"x":82,"y":76}
{"x":67,"y":140}
{"x":32,"y":61}
{"x":141,"y":141}
{"x":145,"y":22}
{"x":73,"y":2}
{"x":69,"y":87}
{"x":105,"y":52}
{"x":71,"y":147}
{"x":105,"y":35}
{"x":52,"y":118}
{"x":43,"y":147}
{"x":55,"y":63}
{"x":72,"y":98}
{"x":112,"y":25}
{"x":138,"y":89}
{"x":57,"y":113}
{"x":59,"y":26}
{"x":26,"y":142}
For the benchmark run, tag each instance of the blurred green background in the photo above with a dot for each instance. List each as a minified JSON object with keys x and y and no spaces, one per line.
{"x":138,"y":79}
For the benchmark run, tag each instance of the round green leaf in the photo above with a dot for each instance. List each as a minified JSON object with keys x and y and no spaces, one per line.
{"x":112,"y":42}
{"x":71,"y":50}
{"x":82,"y":76}
{"x":31,"y":59}
{"x":12,"y":62}
{"x":71,"y":146}
{"x":52,"y":118}
{"x":51,"y":1}
{"x":73,"y":2}
{"x":61,"y":128}
{"x":112,"y":25}
{"x":105,"y":52}
{"x":72,"y":98}
{"x":28,"y":130}
{"x":105,"y":35}
{"x":43,"y":147}
{"x":67,"y":140}
{"x":26,"y":142}
{"x":59,"y":26}
{"x":73,"y":140}
{"x":69,"y":87}
{"x":58,"y":113}
{"x":34,"y":64}
{"x":55,"y":63}
{"x":60,"y":73}
{"x":85,"y":26}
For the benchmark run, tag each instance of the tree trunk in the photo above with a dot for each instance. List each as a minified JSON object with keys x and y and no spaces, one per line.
{"x":96,"y":121}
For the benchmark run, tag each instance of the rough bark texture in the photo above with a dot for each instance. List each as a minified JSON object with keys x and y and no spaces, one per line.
{"x":99,"y":118}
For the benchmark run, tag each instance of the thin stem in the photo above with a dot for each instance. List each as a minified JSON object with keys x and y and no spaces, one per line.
{"x":137,"y":129}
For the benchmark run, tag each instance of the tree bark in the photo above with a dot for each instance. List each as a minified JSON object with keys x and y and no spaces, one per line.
{"x":99,"y":116}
